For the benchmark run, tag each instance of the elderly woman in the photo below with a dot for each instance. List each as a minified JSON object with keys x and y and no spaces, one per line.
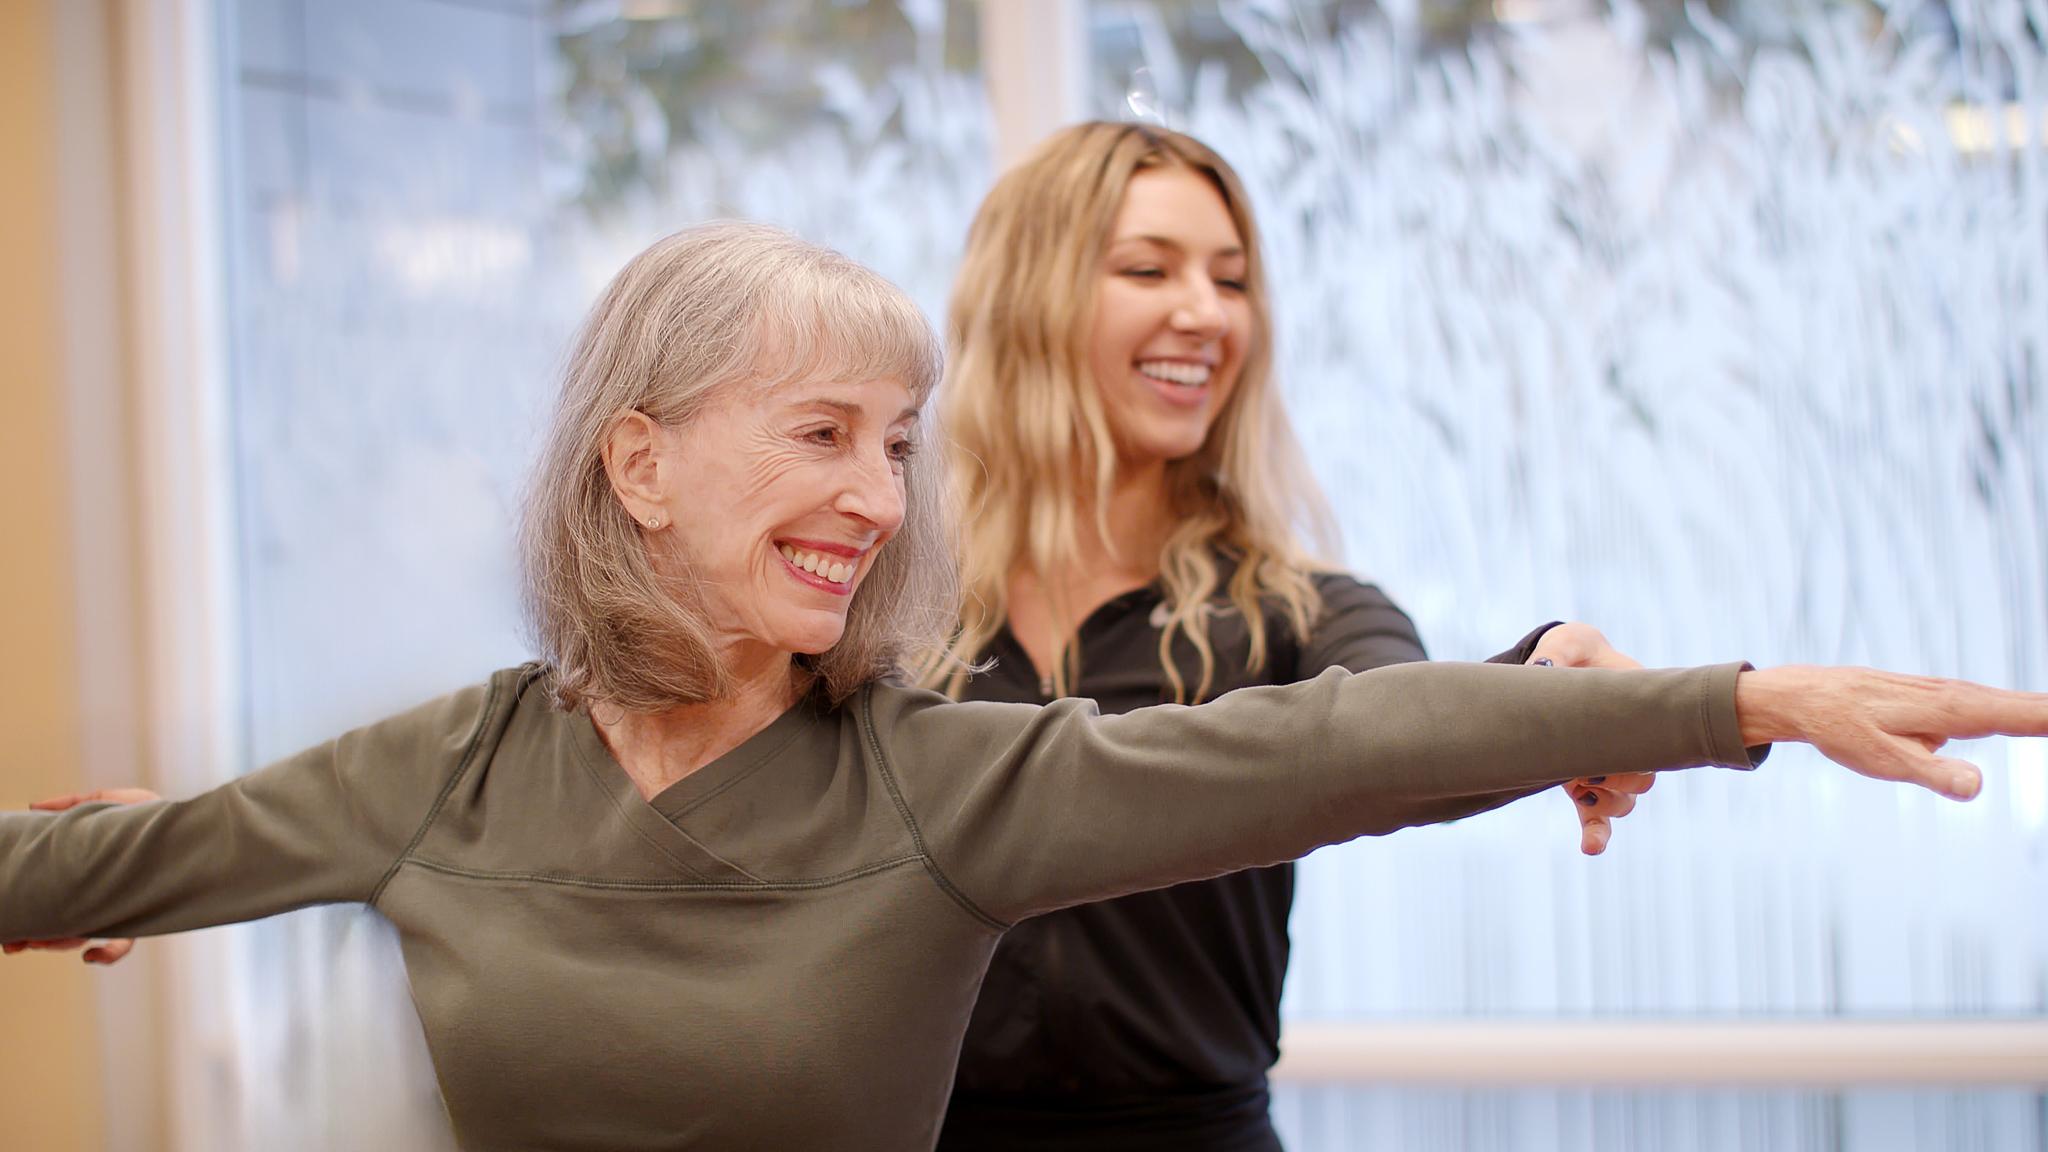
{"x":706,"y":876}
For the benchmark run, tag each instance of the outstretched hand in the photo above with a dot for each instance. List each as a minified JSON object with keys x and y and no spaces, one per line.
{"x":106,"y":951}
{"x":1885,"y":725}
{"x":1598,"y":800}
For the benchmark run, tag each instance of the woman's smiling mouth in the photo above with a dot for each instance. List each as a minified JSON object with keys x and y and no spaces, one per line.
{"x":1183,"y":383}
{"x":822,"y":569}
{"x":1185,"y":372}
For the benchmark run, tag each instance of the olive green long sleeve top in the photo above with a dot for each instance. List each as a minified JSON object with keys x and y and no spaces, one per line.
{"x":781,"y":950}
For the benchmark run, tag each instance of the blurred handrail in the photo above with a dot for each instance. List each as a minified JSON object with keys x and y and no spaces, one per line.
{"x":1814,"y":1053}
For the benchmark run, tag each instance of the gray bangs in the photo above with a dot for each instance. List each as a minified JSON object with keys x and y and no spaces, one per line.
{"x":851,"y":327}
{"x":792,"y":312}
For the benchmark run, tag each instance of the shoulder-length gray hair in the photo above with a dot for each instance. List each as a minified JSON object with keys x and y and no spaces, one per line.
{"x":710,"y":308}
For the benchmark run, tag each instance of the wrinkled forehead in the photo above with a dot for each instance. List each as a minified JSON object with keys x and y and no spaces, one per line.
{"x":878,"y":401}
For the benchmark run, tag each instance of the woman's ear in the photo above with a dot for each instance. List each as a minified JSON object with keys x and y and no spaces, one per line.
{"x":632,"y":462}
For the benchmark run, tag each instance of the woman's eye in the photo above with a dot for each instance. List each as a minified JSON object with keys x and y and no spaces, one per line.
{"x":1146,"y":273}
{"x":1231,"y":285}
{"x":823,"y":435}
{"x":902,"y":450}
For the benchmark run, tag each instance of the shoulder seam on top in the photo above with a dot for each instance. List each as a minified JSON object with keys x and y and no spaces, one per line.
{"x":703,"y":885}
{"x":476,"y":738}
{"x":945,"y":883}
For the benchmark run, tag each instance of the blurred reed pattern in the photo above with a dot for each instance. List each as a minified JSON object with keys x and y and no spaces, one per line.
{"x":1736,"y":350}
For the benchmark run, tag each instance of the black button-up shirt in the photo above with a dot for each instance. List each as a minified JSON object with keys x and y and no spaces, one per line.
{"x":1149,"y":1021}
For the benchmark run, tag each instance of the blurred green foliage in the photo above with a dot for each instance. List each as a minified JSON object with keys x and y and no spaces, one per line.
{"x":640,"y":79}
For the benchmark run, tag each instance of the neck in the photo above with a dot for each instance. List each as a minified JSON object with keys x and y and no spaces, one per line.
{"x":659,"y":748}
{"x":1139,"y":519}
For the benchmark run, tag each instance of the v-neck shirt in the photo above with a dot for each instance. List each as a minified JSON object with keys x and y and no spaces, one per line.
{"x":785,"y":950}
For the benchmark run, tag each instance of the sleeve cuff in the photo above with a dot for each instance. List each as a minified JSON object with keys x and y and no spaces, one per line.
{"x":1719,"y":726}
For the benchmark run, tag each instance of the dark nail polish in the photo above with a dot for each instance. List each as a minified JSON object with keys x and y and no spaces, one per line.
{"x":1588,"y":799}
{"x":1596,"y":779}
{"x":1543,"y":662}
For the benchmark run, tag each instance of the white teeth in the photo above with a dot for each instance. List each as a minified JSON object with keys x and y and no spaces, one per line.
{"x":837,"y":572}
{"x":1176,"y":372}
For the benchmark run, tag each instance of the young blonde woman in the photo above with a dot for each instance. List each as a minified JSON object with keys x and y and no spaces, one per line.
{"x":1134,"y":501}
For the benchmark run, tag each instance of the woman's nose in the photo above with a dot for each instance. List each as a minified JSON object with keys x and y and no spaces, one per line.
{"x":1200,"y":311}
{"x":875,"y":492}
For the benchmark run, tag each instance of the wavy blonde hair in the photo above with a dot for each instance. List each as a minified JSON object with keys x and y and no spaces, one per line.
{"x":708,"y":309}
{"x":1027,"y":436}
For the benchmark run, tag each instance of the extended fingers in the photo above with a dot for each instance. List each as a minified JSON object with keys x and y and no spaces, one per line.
{"x":96,"y":796}
{"x":1906,"y":760}
{"x":1576,"y":645}
{"x":1976,"y":710}
{"x":1955,"y":779}
{"x":1601,"y":803}
{"x":1594,"y":835}
{"x":110,"y":952}
{"x":58,"y":945}
{"x":1633,"y":783}
{"x":1937,"y":710}
{"x":105,"y":952}
{"x":1597,"y":808}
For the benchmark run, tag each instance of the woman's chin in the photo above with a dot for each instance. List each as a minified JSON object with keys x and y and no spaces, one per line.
{"x":1162,"y":442}
{"x":813,"y":641}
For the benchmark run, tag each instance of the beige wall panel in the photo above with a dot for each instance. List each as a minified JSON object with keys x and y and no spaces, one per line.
{"x":49,"y":1078}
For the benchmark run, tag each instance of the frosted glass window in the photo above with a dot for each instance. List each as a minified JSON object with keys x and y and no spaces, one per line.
{"x":1720,"y":326}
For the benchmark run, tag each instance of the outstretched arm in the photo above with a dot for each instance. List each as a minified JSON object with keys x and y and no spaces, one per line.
{"x":1023,"y":810}
{"x":325,"y":826}
{"x":1040,"y":808}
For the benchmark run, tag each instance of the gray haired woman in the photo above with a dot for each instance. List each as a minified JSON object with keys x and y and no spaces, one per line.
{"x":707,"y":875}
